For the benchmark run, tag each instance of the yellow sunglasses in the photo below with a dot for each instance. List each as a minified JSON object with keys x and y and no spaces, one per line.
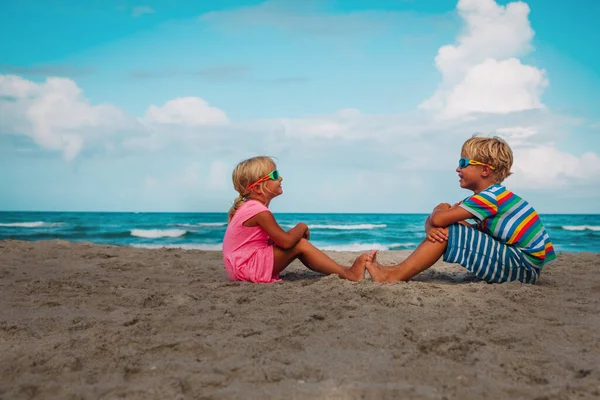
{"x":465,"y":162}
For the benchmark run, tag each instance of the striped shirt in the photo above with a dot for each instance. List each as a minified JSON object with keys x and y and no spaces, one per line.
{"x":511,"y":220}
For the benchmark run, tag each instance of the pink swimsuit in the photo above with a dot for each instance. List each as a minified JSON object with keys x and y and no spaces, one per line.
{"x":246,"y":252}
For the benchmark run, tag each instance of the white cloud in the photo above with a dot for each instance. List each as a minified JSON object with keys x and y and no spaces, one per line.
{"x":192,"y":111}
{"x":54,"y":113}
{"x":496,"y":87}
{"x":14,"y":87}
{"x":150,"y":183}
{"x":189,"y":178}
{"x":546,"y":166}
{"x":517,"y":135}
{"x":413,"y":146}
{"x":341,"y":124}
{"x":219,"y":175}
{"x":482,"y":72}
{"x":138,"y":11}
{"x":192,"y":179}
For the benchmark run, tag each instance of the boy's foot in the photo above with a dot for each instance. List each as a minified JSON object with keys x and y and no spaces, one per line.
{"x":373,"y":258}
{"x":357,"y":271}
{"x":375,"y":270}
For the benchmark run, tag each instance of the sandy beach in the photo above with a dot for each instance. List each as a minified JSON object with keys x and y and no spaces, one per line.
{"x":85,"y":321}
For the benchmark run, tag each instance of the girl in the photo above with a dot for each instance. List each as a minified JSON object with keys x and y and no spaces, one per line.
{"x":255,"y":248}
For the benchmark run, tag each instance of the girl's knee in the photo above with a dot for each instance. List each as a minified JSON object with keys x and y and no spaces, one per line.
{"x":302,"y":244}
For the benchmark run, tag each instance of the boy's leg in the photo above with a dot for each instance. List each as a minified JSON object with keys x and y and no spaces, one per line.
{"x":488,"y":258}
{"x":422,"y":258}
{"x":316,"y":260}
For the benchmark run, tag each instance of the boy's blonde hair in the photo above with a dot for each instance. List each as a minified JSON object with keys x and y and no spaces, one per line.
{"x":490,"y":150}
{"x":246,"y":173}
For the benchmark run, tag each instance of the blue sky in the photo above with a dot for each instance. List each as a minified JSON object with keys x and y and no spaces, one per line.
{"x":148,"y":106}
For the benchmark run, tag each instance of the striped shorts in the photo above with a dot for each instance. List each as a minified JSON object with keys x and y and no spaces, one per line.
{"x":486,"y":257}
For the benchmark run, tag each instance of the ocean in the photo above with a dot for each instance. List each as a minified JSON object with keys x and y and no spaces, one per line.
{"x":204,"y":231}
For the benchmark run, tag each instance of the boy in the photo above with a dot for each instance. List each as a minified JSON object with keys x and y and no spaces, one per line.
{"x":508,"y":242}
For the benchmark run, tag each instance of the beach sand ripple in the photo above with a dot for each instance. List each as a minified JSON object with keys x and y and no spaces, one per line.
{"x":85,"y":321}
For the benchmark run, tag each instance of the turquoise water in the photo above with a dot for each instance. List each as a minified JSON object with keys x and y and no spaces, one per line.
{"x":204,"y":231}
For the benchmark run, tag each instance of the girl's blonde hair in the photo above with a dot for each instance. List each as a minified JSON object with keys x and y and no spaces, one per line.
{"x":246,"y":173}
{"x":490,"y":150}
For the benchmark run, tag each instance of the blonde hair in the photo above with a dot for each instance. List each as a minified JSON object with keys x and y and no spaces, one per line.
{"x":246,"y":173}
{"x":490,"y":150}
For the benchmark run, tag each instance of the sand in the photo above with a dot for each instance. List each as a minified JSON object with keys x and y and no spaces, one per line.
{"x":85,"y":321}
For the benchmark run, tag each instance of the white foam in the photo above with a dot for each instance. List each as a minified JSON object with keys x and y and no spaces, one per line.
{"x":403,"y":246}
{"x":354,"y":247}
{"x":184,"y":246}
{"x":581,"y":228}
{"x":36,"y":224}
{"x":202,"y":224}
{"x":349,"y":227}
{"x":157,"y":233}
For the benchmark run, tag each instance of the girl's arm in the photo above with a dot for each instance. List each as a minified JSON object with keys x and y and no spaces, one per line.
{"x":444,"y":215}
{"x":281,"y":238}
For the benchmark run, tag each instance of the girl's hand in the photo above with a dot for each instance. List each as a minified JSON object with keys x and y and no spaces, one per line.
{"x":437,"y":235}
{"x":279,"y":237}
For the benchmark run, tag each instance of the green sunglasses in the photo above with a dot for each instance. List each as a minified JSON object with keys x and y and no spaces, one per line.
{"x":465,"y":162}
{"x":273,"y":175}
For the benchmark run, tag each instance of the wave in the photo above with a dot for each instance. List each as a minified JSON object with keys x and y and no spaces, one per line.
{"x":349,"y":227}
{"x":189,"y":246}
{"x":355,"y":247}
{"x":36,"y":224}
{"x":403,"y":246}
{"x":157,"y":233}
{"x":581,"y":228}
{"x":202,"y":224}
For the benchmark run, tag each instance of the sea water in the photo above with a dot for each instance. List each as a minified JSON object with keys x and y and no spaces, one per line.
{"x":204,"y":231}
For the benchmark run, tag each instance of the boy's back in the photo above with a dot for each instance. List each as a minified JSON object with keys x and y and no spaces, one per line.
{"x":512,"y":220}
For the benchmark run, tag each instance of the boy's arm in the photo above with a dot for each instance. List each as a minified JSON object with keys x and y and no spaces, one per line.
{"x":464,"y":222}
{"x":435,"y":234}
{"x":444,"y":215}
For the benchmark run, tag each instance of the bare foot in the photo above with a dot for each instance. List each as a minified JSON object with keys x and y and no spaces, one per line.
{"x":357,"y":271}
{"x":373,"y":257}
{"x":375,"y":270}
{"x":387,"y":268}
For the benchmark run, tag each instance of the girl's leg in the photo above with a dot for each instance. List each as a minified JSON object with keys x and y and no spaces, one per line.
{"x":316,"y":260}
{"x":422,"y":258}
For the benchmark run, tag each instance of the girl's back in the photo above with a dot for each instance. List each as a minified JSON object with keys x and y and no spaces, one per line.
{"x":246,"y":251}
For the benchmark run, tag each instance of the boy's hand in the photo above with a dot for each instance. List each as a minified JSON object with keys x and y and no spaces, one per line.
{"x":456,"y":204}
{"x":437,"y":235}
{"x":442,"y":207}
